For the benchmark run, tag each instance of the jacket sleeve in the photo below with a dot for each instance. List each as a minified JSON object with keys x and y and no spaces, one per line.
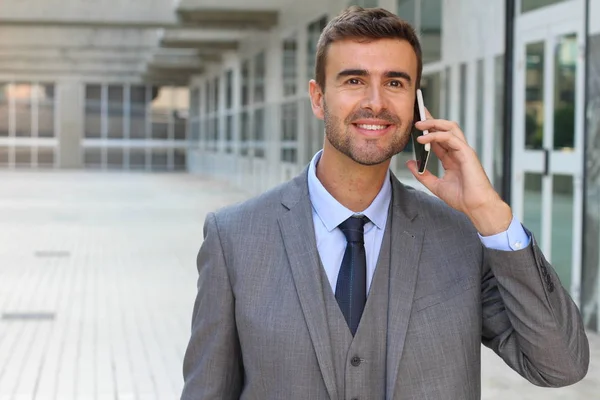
{"x":529,"y":319}
{"x":212,"y":367}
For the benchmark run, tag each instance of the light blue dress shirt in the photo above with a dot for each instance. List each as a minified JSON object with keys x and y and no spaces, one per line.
{"x":328,"y":213}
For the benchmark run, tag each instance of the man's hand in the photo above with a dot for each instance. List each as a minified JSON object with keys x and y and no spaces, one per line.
{"x":464,"y":186}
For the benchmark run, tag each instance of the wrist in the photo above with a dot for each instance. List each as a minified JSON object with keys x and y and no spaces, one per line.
{"x":492,"y":219}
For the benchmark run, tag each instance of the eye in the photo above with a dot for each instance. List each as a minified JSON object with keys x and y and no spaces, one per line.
{"x":353,"y":81}
{"x":396,"y":83}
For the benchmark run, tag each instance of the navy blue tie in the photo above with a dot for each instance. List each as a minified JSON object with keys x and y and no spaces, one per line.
{"x":351,"y":288}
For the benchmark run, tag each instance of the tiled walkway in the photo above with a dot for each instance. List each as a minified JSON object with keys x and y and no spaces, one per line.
{"x":97,"y":281}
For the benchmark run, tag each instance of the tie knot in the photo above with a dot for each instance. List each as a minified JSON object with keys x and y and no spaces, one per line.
{"x":354,"y":229}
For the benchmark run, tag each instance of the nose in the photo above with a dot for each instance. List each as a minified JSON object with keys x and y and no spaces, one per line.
{"x":374,"y":99}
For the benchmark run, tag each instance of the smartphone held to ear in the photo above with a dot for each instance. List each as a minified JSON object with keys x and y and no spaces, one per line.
{"x":421,"y":151}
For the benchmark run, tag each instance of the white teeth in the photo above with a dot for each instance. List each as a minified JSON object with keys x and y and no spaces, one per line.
{"x":372,"y":127}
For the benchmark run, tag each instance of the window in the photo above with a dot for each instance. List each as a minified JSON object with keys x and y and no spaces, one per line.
{"x":93,"y":111}
{"x":137,"y":112}
{"x":229,"y":90}
{"x":4,"y":113}
{"x":259,"y":78}
{"x":160,"y":108}
{"x":314,"y":32}
{"x":290,"y":73}
{"x":45,"y":103}
{"x":364,"y":3}
{"x":530,"y":5}
{"x":462,"y":112}
{"x":498,"y":156}
{"x":115,"y":111}
{"x":246,"y":83}
{"x":259,"y":133}
{"x":426,"y":17}
{"x":21,"y":94}
{"x":479,"y":128}
{"x":180,"y":112}
{"x":289,"y":132}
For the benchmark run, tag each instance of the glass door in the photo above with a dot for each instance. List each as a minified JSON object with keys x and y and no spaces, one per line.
{"x":547,"y":147}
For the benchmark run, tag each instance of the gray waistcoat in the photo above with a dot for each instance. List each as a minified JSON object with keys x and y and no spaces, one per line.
{"x":360,"y":362}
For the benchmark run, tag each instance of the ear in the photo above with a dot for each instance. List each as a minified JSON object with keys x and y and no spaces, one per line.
{"x":316,"y":99}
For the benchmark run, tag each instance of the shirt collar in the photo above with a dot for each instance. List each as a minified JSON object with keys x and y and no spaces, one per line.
{"x":332,"y":213}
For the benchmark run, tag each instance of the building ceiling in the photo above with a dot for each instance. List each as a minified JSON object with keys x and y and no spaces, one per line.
{"x":155,"y":41}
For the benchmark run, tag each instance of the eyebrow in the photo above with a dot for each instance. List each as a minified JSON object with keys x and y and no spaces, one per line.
{"x":364,"y":72}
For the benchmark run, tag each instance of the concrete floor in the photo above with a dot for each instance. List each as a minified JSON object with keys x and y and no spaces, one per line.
{"x":97,"y":281}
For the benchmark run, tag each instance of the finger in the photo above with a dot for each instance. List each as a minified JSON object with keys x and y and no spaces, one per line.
{"x":447,"y":140}
{"x":441,"y":125}
{"x":427,"y":179}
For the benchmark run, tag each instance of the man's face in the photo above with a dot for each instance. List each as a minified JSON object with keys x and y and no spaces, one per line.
{"x":369,"y":98}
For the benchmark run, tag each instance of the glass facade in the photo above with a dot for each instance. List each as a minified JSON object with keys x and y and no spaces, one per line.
{"x":136,"y":126}
{"x":590,"y":294}
{"x":27,"y":125}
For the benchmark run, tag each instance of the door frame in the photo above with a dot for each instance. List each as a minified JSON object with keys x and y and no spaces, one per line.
{"x":547,"y":25}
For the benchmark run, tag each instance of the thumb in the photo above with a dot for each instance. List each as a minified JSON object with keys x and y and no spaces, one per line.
{"x":427,"y":179}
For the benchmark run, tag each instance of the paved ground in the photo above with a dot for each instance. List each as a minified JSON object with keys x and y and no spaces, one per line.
{"x":97,"y":280}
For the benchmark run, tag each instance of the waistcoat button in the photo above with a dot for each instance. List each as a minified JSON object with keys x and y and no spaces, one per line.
{"x":355,"y":361}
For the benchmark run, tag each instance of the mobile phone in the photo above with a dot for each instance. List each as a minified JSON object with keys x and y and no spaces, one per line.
{"x":421,"y":151}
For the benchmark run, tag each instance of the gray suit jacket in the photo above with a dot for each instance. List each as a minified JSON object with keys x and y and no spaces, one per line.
{"x":259,"y":329}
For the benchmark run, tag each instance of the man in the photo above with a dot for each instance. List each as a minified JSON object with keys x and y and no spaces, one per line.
{"x":345,"y":284}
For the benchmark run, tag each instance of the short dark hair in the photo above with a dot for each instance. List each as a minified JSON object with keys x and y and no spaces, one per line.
{"x":365,"y":25}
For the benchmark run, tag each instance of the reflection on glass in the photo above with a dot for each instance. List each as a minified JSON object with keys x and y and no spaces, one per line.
{"x":4,"y":113}
{"x":532,"y":200}
{"x":259,"y":77}
{"x":216,"y":91}
{"x":45,"y":157}
{"x":21,"y":93}
{"x":498,"y":148}
{"x":229,"y":134}
{"x":137,"y":159}
{"x":590,"y":295}
{"x":534,"y":96}
{"x":479,"y":129}
{"x":314,"y":31}
{"x":289,"y":131}
{"x":92,"y":157}
{"x":447,"y":89}
{"x":244,"y":133}
{"x":562,"y":227}
{"x":45,"y":111}
{"x":137,"y":112}
{"x":259,"y":132}
{"x":229,"y":89}
{"x":431,"y":30}
{"x":245,"y":83}
{"x":115,"y":111}
{"x":23,"y":156}
{"x":565,"y":62}
{"x":4,"y":155}
{"x":529,"y":5}
{"x":179,"y":156}
{"x":406,"y":11}
{"x":364,"y":3}
{"x":114,"y":158}
{"x":160,"y":106}
{"x":290,"y":55}
{"x":159,"y":160}
{"x":93,"y":111}
{"x":462,"y":111}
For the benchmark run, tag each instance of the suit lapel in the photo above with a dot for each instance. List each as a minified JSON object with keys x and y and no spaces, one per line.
{"x":407,"y":240}
{"x":299,"y":239}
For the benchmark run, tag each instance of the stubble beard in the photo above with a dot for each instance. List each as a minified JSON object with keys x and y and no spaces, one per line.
{"x":368,"y":152}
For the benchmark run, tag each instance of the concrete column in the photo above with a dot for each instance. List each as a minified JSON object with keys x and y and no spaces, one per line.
{"x":71,"y":114}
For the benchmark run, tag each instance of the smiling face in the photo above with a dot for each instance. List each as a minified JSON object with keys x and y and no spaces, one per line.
{"x":369,"y":97}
